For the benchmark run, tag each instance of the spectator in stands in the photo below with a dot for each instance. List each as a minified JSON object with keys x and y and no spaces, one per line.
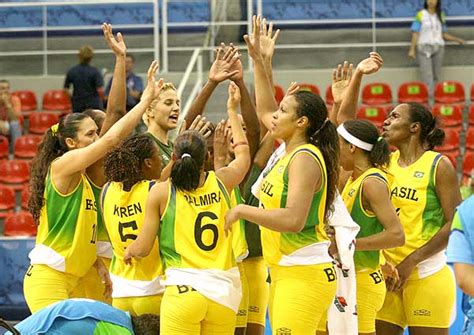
{"x":428,"y":36}
{"x":83,"y":316}
{"x":461,"y":255}
{"x":10,"y":112}
{"x":87,"y":82}
{"x":134,"y":84}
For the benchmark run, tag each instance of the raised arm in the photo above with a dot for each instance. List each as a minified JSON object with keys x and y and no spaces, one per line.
{"x":233,"y":174}
{"x":341,"y":77}
{"x":265,"y":98}
{"x":377,"y":195}
{"x":349,"y":104}
{"x":303,"y":178}
{"x":448,"y":193}
{"x":220,"y":71}
{"x":116,"y":105}
{"x":79,"y":159}
{"x":142,"y":246}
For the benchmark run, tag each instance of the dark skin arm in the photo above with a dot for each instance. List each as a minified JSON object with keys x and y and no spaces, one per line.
{"x":449,"y":196}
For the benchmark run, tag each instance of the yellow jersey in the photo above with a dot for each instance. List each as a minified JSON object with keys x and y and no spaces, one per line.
{"x":273,"y":194}
{"x":367,"y":220}
{"x":414,"y":198}
{"x":67,"y":231}
{"x":192,"y":228}
{"x":124,"y":214}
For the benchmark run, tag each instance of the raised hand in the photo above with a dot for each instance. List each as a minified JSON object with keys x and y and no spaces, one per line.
{"x":292,"y":89}
{"x":202,"y":126}
{"x":117,"y":44}
{"x":234,"y":97}
{"x":236,"y":67}
{"x":371,"y":64}
{"x":222,"y":68}
{"x":341,"y":77}
{"x":268,"y":40}
{"x":253,"y":41}
{"x":153,"y":88}
{"x":221,"y":144}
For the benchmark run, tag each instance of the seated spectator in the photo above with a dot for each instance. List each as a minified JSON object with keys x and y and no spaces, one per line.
{"x":461,"y":255}
{"x":84,"y":316}
{"x":134,"y":84}
{"x":87,"y":82}
{"x":10,"y":112}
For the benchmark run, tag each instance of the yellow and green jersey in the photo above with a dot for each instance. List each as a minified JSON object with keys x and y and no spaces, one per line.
{"x":166,"y":150}
{"x":124,"y":214}
{"x":192,"y":228}
{"x":67,"y":231}
{"x":367,"y":220}
{"x":103,"y":242}
{"x":239,"y":243}
{"x":414,"y":197}
{"x":273,"y":194}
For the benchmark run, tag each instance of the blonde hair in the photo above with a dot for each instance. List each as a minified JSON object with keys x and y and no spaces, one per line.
{"x":152,"y":106}
{"x":86,"y":52}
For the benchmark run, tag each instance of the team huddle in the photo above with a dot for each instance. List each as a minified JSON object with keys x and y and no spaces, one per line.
{"x":303,"y":211}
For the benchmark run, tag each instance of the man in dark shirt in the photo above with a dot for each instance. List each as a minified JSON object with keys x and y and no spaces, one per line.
{"x":134,"y":84}
{"x":87,"y":82}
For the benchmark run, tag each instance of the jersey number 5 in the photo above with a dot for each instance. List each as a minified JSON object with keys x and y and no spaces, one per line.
{"x":199,"y":230}
{"x":122,"y":226}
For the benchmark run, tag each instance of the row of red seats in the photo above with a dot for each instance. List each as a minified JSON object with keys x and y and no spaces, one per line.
{"x":19,"y":224}
{"x":25,"y":146}
{"x":448,"y":115}
{"x":446,"y":92}
{"x":53,"y":100}
{"x":8,"y":199}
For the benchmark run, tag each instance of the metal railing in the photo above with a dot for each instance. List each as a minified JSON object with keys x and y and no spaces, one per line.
{"x":44,"y":28}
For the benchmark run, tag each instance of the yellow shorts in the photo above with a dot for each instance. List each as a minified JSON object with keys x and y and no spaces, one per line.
{"x":150,"y":304}
{"x":300,"y":296}
{"x":427,"y":302}
{"x":242,"y":314}
{"x":91,"y":287}
{"x":370,"y":296}
{"x":186,"y":311}
{"x":44,"y":286}
{"x":258,"y":288}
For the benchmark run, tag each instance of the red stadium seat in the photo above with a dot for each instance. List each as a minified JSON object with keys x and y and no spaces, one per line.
{"x":279,"y":94}
{"x":470,"y":139}
{"x":28,"y":100}
{"x":471,"y":115}
{"x":309,"y":87}
{"x":472,"y":92}
{"x":14,"y":173}
{"x":449,"y":115}
{"x":376,"y":94}
{"x":449,"y":92}
{"x":4,"y":147}
{"x":20,"y":224}
{"x":375,"y":114}
{"x":56,"y":100}
{"x":41,"y":122}
{"x":26,"y":146}
{"x":414,"y":91}
{"x":468,"y":163}
{"x":452,"y":142}
{"x":329,"y":97}
{"x":25,"y":195}
{"x":7,"y":200}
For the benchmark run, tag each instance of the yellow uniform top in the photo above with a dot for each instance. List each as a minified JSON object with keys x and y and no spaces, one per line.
{"x":273,"y":194}
{"x":192,"y":228}
{"x":367,"y":220}
{"x":414,"y":198}
{"x":67,"y":229}
{"x":124,"y":214}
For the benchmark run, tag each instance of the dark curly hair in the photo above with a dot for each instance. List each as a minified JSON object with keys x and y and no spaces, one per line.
{"x":51,"y":147}
{"x":124,"y":164}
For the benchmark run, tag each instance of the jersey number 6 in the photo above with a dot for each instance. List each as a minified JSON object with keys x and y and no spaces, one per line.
{"x":199,"y":230}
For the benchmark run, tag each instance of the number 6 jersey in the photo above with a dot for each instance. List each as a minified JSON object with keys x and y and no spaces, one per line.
{"x":124,"y":214}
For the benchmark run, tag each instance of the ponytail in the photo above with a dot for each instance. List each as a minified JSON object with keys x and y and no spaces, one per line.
{"x":190,"y":151}
{"x":430,"y":135}
{"x":51,"y":147}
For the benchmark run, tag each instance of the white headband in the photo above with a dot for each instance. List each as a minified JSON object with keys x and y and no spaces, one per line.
{"x":185,"y":155}
{"x":352,"y":139}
